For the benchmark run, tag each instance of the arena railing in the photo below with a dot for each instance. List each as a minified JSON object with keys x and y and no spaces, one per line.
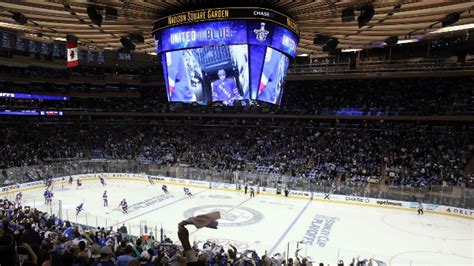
{"x":462,"y":197}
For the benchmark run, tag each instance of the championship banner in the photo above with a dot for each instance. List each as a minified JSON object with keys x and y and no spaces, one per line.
{"x":72,"y":59}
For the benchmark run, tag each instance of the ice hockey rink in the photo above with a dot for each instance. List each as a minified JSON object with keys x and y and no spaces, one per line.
{"x":326,"y":231}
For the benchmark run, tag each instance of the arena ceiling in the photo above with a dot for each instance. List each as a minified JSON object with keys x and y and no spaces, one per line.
{"x":408,"y":20}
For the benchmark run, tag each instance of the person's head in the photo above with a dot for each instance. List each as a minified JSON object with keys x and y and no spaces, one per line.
{"x":221,"y":73}
{"x":82,"y":245}
{"x":145,"y":256}
{"x":95,"y":251}
{"x":106,"y":253}
{"x":129,"y":249}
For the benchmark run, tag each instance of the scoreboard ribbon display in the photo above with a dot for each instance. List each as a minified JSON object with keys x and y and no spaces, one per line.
{"x":225,"y":55}
{"x":230,"y":13}
{"x":227,"y":32}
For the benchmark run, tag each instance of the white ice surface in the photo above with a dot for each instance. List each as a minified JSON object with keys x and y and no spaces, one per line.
{"x":274,"y":223}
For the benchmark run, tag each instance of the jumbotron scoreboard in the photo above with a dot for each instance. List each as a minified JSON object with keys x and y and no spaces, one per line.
{"x":226,"y":54}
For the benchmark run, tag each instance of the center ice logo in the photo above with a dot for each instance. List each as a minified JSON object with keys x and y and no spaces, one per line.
{"x":230,"y":215}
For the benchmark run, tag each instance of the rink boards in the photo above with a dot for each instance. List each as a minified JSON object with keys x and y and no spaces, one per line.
{"x":343,"y":199}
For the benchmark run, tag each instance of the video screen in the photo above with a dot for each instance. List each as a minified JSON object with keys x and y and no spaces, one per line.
{"x":273,"y":76}
{"x":227,"y":32}
{"x":208,"y":74}
{"x":257,"y":54}
{"x":230,"y":62}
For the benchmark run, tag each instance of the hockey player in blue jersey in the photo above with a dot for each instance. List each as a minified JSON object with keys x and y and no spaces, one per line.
{"x":124,"y":205}
{"x":49,"y":197}
{"x":45,"y":195}
{"x":104,"y":197}
{"x":102,"y":181}
{"x":79,"y":208}
{"x":165,"y":189}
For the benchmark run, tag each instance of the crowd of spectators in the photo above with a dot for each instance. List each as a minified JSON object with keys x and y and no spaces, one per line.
{"x":30,"y":237}
{"x":32,"y":144}
{"x":420,"y":96}
{"x":408,"y":154}
{"x":373,"y":97}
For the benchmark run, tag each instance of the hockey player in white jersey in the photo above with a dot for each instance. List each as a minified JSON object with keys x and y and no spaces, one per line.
{"x":18,"y":198}
{"x":79,"y":208}
{"x":79,"y":183}
{"x":102,"y":180}
{"x":124,"y":205}
{"x":187,"y":192}
{"x":105,"y":198}
{"x":150,"y":179}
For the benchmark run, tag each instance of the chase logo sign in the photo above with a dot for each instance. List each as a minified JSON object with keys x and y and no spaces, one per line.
{"x":267,"y":14}
{"x":231,"y":216}
{"x":357,"y":199}
{"x":261,"y":34}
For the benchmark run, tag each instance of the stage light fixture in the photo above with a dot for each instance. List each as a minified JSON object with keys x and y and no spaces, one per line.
{"x":450,"y":19}
{"x":331,"y":45}
{"x":320,"y":39}
{"x":19,"y":18}
{"x":111,"y":13}
{"x":366,"y":14}
{"x":347,"y":14}
{"x":136,"y":38}
{"x":127,"y":43}
{"x":71,"y":38}
{"x":392,"y":40}
{"x":94,"y":15}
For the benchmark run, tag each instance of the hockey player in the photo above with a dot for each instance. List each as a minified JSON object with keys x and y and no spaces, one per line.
{"x":49,"y":182}
{"x":46,"y":195}
{"x":187,"y":192}
{"x":102,"y":180}
{"x":252,"y":192}
{"x":79,"y":183}
{"x":70,"y":180}
{"x":165,"y":189}
{"x":420,"y":208}
{"x":79,"y":208}
{"x":150,"y":179}
{"x":49,"y":197}
{"x":124,"y":206}
{"x":104,"y":197}
{"x":18,"y":197}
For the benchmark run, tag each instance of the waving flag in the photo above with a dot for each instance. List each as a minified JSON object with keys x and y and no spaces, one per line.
{"x":72,"y":60}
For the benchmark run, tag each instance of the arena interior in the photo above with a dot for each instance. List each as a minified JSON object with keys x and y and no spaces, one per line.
{"x":236,"y":133}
